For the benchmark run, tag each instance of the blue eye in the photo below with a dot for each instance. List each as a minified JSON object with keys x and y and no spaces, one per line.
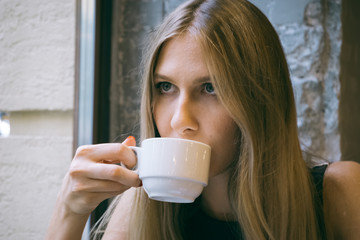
{"x":209,"y":88}
{"x":164,"y":87}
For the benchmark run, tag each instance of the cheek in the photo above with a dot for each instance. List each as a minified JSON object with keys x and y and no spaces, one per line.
{"x":226,"y":146}
{"x":161,"y":116}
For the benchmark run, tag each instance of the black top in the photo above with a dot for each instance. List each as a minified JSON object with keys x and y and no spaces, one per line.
{"x":201,"y":226}
{"x":318,"y":176}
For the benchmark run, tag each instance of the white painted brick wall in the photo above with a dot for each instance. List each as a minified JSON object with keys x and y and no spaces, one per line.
{"x":37,"y":47}
{"x":37,"y":54}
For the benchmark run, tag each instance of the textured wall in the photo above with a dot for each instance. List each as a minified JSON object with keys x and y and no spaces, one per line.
{"x":37,"y":44}
{"x":312,"y":46}
{"x":310,"y":32}
{"x":37,"y":40}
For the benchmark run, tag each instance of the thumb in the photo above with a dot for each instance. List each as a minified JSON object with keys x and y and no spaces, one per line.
{"x":129,"y":141}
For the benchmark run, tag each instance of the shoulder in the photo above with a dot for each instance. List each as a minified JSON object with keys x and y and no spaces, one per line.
{"x":343,"y":176}
{"x":118,"y":225}
{"x":341,"y":169}
{"x":341,"y":200}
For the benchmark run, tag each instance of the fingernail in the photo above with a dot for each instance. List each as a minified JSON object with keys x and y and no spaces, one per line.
{"x":130,"y":139}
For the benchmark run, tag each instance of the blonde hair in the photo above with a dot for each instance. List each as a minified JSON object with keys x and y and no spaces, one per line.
{"x":272,"y":194}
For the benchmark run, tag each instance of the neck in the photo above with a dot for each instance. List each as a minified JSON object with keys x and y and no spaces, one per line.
{"x":215,"y":201}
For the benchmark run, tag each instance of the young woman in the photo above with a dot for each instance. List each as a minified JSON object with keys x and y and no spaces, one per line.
{"x":215,"y":72}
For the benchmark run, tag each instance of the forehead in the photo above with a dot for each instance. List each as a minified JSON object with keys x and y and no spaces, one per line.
{"x":181,"y":53}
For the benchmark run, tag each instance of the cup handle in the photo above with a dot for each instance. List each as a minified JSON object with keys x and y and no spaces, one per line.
{"x":137,"y":151}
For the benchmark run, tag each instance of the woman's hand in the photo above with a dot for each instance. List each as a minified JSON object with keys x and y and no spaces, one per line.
{"x":95,"y":174}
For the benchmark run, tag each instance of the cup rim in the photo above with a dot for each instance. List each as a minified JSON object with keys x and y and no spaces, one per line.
{"x":169,"y":177}
{"x":175,"y":139}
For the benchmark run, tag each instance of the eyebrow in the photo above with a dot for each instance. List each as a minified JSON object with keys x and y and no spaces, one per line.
{"x":197,"y":80}
{"x":156,"y":75}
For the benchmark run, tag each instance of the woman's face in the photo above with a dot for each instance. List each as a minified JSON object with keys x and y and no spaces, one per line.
{"x":186,"y":105}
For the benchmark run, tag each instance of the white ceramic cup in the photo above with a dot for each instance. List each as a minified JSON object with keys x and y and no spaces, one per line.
{"x":173,"y":169}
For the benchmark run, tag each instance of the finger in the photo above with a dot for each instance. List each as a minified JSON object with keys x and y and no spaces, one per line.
{"x":115,"y":173}
{"x":107,"y":152}
{"x":99,"y":186}
{"x":90,"y":200}
{"x":129,"y":141}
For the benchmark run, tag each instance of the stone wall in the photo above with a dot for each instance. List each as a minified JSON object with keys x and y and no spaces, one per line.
{"x":37,"y":45}
{"x":312,"y":47}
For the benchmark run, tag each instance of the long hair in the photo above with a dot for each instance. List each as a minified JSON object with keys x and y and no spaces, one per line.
{"x":272,"y":194}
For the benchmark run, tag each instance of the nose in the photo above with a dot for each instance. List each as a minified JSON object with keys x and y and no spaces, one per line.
{"x":184,"y":120}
